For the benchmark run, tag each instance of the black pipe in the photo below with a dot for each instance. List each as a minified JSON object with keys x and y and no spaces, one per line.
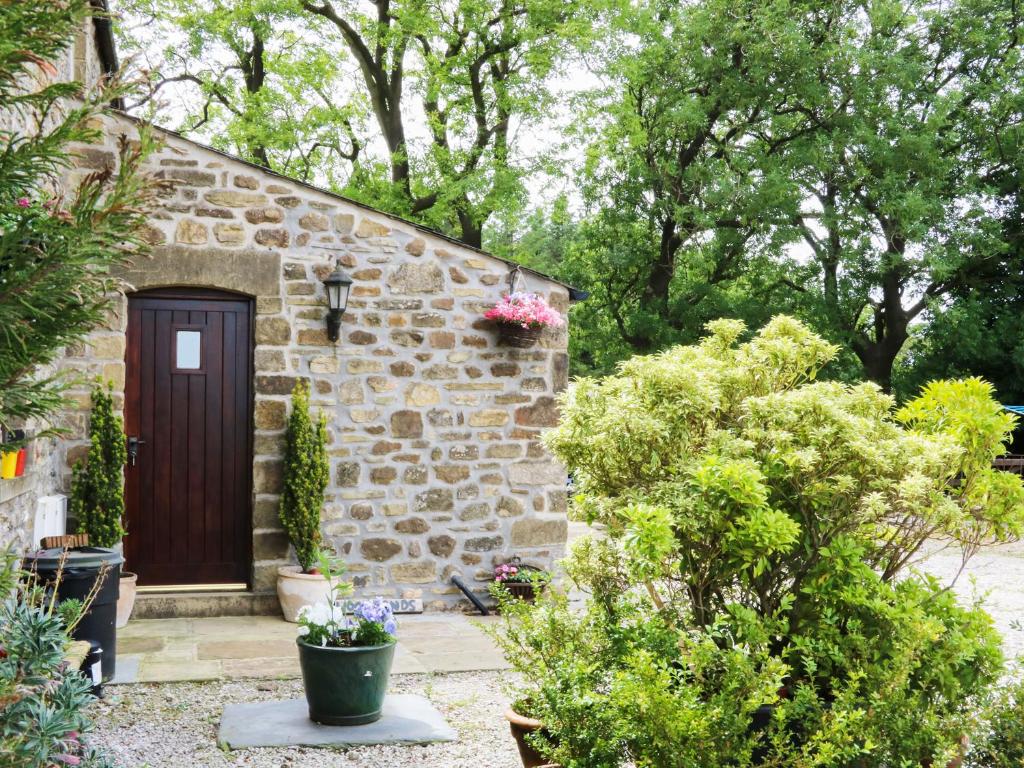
{"x":472,"y":598}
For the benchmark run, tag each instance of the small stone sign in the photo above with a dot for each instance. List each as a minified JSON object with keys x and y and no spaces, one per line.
{"x":398,"y":605}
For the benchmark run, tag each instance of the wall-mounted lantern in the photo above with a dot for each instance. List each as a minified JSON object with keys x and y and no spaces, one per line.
{"x":338,"y":284}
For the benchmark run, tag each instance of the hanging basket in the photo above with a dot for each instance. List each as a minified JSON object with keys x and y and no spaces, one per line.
{"x":517,"y":336}
{"x":525,"y":590}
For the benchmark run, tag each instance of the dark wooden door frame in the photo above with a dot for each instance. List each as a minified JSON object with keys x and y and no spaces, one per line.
{"x":197,"y":299}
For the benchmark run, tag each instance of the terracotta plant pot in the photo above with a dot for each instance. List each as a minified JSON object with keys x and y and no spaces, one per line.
{"x":126,"y":597}
{"x":345,"y":686}
{"x":520,"y":725}
{"x":296,"y":590}
{"x":517,"y":336}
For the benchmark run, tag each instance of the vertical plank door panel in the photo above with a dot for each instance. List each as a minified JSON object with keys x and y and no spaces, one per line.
{"x":189,"y":493}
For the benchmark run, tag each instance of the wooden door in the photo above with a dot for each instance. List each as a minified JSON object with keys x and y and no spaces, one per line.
{"x":188,"y":401}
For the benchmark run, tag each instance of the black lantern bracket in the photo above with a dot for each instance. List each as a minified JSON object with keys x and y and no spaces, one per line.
{"x":337,"y":284}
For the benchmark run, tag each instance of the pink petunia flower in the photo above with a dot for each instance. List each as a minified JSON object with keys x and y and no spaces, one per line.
{"x":525,"y":309}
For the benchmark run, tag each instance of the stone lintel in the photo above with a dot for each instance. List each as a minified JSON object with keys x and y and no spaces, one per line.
{"x":254,"y":273}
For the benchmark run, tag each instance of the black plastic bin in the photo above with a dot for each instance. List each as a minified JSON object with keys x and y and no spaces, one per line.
{"x":81,"y":569}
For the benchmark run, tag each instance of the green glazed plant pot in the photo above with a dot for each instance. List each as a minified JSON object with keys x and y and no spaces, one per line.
{"x":345,"y":686}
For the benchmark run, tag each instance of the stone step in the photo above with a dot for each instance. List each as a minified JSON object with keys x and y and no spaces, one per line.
{"x":194,"y":605}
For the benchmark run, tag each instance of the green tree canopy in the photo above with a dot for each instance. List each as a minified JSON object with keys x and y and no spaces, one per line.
{"x":846,"y":161}
{"x":406,"y":105}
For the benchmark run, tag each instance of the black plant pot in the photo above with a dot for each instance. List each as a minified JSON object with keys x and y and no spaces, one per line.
{"x":345,"y":686}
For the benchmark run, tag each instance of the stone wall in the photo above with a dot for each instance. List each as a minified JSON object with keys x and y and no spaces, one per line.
{"x":18,"y":497}
{"x":436,"y":465}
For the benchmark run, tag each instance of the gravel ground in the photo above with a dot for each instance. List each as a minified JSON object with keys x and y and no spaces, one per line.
{"x":175,"y":724}
{"x":996,"y":576}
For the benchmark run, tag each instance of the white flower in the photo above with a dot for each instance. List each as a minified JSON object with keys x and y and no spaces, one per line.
{"x":320,"y":614}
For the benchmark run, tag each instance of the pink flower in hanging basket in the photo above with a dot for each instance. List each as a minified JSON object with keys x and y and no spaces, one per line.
{"x":527,"y":310}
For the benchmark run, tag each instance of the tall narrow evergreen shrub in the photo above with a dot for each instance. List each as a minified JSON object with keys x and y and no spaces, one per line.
{"x":306,"y":472}
{"x":97,"y":485}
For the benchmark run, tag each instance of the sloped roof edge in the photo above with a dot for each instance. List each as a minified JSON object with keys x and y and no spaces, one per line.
{"x":107,"y":51}
{"x":575,"y":294}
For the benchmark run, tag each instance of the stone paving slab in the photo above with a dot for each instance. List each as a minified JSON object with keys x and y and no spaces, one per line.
{"x":127,"y":670}
{"x":237,"y":647}
{"x":407,"y":719}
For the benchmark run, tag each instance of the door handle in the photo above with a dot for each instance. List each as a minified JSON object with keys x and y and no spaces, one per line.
{"x":133,"y":449}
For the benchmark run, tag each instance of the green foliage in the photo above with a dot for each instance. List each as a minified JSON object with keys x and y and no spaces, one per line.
{"x":256,"y":85}
{"x":851,"y":163}
{"x":97,"y":484}
{"x":306,"y":474}
{"x":979,"y":332}
{"x":413,"y":108}
{"x":55,"y":251}
{"x":43,"y":719}
{"x":619,"y":685}
{"x":760,"y":524}
{"x":1001,"y":743}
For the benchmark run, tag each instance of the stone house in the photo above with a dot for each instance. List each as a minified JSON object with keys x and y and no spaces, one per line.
{"x":436,"y":464}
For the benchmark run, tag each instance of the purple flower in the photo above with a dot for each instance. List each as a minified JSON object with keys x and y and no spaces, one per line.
{"x":23,"y":202}
{"x":377,"y":609}
{"x":391,"y":627}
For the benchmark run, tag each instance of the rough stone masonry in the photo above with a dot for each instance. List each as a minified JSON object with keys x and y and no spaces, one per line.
{"x":436,"y":463}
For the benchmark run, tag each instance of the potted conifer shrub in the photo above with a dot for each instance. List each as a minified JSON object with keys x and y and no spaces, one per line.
{"x":345,"y":660}
{"x":306,"y":472}
{"x":97,"y":490}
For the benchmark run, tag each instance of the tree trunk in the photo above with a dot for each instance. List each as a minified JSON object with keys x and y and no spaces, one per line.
{"x":254,"y":70}
{"x":472,"y":232}
{"x":877,"y":360}
{"x":878,"y":349}
{"x":663,"y":270}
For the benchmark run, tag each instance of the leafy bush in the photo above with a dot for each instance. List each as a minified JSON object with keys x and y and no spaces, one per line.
{"x":43,"y":720}
{"x":1001,"y":742}
{"x":752,"y":509}
{"x":97,"y":484}
{"x":306,"y":474}
{"x":614,"y":686}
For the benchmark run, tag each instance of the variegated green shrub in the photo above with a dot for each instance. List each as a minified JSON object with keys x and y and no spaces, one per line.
{"x":749,"y":507}
{"x":728,"y":469}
